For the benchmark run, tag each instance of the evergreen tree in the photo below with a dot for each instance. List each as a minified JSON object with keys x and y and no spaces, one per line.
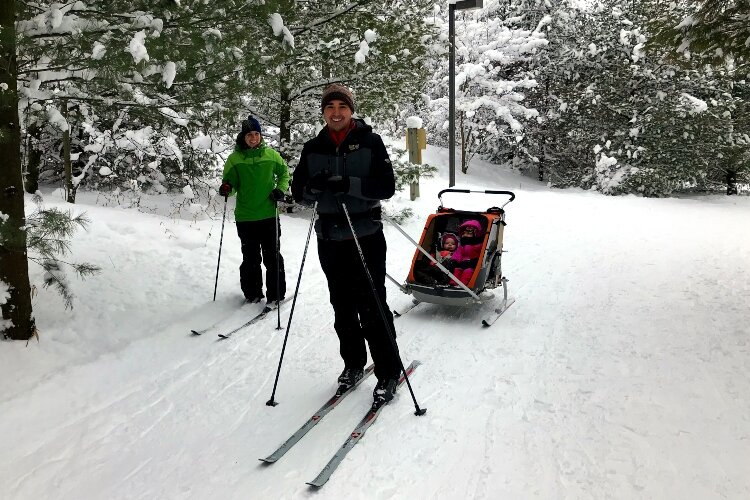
{"x":136,"y":88}
{"x":15,"y":290}
{"x":494,"y":48}
{"x":49,"y":234}
{"x":619,"y":118}
{"x":711,"y":29}
{"x":378,"y":48}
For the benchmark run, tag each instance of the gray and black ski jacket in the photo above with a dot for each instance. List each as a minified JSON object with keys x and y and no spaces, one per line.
{"x":362,"y":158}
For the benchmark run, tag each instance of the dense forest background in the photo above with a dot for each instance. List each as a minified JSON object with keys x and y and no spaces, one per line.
{"x":647,"y":98}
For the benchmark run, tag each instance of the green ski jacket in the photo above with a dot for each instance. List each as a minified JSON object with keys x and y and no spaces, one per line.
{"x":254,"y":173}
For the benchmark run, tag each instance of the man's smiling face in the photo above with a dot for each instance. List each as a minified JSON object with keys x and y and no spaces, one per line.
{"x":337,"y":115}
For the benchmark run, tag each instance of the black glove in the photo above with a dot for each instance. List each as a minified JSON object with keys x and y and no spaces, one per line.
{"x":277,"y":195}
{"x":225,"y":189}
{"x":449,"y":264}
{"x":338,"y":184}
{"x":317,"y":182}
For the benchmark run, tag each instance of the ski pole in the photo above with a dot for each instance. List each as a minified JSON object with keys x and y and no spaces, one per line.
{"x":391,"y":336}
{"x":221,"y":240}
{"x":278,"y":272}
{"x":271,"y":401}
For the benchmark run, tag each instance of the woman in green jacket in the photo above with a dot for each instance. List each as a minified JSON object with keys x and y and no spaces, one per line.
{"x":259,"y":177}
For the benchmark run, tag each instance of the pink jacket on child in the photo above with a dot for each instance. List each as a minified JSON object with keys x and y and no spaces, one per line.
{"x":466,"y":251}
{"x":472,"y":250}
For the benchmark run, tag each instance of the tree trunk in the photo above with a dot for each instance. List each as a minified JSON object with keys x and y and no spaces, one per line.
{"x":70,"y":192}
{"x":731,"y":178}
{"x":285,"y":113}
{"x":542,"y":158}
{"x":33,"y":158}
{"x":543,"y":139}
{"x":14,"y":267}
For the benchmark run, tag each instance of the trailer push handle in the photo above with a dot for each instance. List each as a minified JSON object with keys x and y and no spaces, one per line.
{"x":453,"y":190}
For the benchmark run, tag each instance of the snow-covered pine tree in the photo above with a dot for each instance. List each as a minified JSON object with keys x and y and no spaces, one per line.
{"x":376,"y":47}
{"x":16,"y":321}
{"x":711,"y":37}
{"x":714,"y":30}
{"x":616,"y":117}
{"x":138,"y":81}
{"x":493,"y":51}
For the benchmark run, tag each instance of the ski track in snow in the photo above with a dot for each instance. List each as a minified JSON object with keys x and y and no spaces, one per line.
{"x":620,"y":372}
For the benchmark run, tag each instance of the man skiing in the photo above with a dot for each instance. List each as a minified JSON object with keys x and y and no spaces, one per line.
{"x":347,"y":165}
{"x":259,"y":176}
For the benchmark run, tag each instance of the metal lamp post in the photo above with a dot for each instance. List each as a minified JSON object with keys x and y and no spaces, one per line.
{"x":452,"y":8}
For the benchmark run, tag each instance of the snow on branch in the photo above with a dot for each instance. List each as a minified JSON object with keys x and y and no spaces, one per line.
{"x":137,"y":47}
{"x":277,"y":24}
{"x":693,"y":104}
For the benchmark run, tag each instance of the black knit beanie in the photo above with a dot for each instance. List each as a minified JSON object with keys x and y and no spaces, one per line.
{"x":337,"y":91}
{"x":251,"y":125}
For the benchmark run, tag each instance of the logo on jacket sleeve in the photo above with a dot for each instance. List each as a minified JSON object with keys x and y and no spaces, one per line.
{"x":353,"y":147}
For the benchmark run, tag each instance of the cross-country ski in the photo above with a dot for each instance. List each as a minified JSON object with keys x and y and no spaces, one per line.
{"x":356,"y":435}
{"x":314,"y":420}
{"x":262,"y":314}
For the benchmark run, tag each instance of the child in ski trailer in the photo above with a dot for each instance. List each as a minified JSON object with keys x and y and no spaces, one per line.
{"x":448,"y":244}
{"x":464,"y":260}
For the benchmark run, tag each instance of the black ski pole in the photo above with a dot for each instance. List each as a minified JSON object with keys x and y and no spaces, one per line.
{"x":271,"y":401}
{"x":278,"y":272}
{"x":221,"y":240}
{"x":391,"y":335}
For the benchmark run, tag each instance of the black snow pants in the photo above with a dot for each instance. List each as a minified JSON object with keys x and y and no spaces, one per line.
{"x":259,"y":238}
{"x":357,"y":317}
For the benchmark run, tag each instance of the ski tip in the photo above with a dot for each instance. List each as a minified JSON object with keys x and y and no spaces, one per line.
{"x":268,"y":460}
{"x":222,"y":336}
{"x":315,"y":485}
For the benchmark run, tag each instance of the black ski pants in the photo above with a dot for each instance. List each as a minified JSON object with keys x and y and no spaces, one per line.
{"x":258,"y":239}
{"x":357,"y":317}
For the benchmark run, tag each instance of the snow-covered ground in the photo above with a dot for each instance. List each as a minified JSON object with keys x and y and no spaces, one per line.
{"x":622,"y":370}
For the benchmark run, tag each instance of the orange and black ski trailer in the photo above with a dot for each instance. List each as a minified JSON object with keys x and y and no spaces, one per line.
{"x":430,"y":281}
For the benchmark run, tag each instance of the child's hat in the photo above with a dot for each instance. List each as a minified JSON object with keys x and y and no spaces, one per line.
{"x":448,"y":236}
{"x":471,"y":223}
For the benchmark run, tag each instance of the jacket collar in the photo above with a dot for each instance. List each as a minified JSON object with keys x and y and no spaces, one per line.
{"x":338,"y":136}
{"x":360,"y":128}
{"x":251,"y":151}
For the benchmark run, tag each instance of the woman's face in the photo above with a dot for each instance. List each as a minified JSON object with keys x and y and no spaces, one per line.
{"x":468,"y":231}
{"x":252,"y":139}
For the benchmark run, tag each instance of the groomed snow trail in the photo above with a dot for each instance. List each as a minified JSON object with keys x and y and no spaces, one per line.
{"x":620,"y":372}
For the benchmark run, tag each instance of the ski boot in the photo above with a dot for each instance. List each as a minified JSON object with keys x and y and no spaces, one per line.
{"x":348,"y":378}
{"x":384,"y":391}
